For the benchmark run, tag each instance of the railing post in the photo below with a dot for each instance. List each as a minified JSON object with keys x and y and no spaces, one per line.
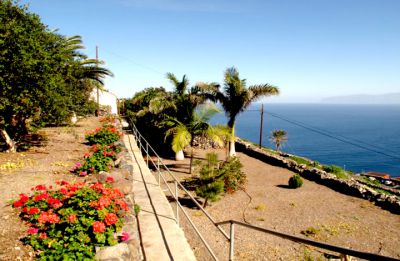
{"x":147,"y":154}
{"x":232,"y":242}
{"x":158,"y":170}
{"x":177,"y":202}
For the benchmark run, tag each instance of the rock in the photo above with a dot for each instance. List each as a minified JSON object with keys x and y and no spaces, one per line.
{"x":116,"y":252}
{"x":124,"y":186}
{"x":103,"y":175}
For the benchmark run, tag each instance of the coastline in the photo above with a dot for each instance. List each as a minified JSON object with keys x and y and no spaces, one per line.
{"x":349,"y":186}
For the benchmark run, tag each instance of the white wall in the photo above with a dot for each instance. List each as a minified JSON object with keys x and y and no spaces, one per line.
{"x":106,"y":98}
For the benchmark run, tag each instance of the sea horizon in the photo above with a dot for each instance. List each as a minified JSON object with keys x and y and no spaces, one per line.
{"x":356,"y":137}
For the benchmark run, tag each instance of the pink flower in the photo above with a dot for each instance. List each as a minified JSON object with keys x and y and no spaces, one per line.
{"x":32,"y":230}
{"x":83,"y":173}
{"x":124,"y":236}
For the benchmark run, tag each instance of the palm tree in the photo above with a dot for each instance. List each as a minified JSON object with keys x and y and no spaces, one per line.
{"x":184,"y":134}
{"x":278,"y":137}
{"x":236,"y":97}
{"x":186,"y":100}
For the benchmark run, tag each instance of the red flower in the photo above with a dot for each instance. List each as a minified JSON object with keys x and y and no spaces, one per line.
{"x":43,"y":218}
{"x":33,"y":211}
{"x":98,"y":226}
{"x":41,"y":197}
{"x":32,"y":230}
{"x":17,"y":204}
{"x":104,"y":202}
{"x":24,"y":210}
{"x":111,"y":219}
{"x":122,"y":204}
{"x":72,"y":218}
{"x":53,"y":218}
{"x":110,"y":180}
{"x":23,"y":198}
{"x":54,"y":202}
{"x":40,"y":187}
{"x":43,"y":235}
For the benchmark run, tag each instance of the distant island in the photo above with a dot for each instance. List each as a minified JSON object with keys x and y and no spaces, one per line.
{"x":388,"y":98}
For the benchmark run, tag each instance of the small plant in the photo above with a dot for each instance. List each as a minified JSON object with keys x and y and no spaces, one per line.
{"x":295,"y":181}
{"x":216,"y":177}
{"x":211,"y":184}
{"x":136,"y":209}
{"x":106,"y":135}
{"x":69,"y":222}
{"x":311,"y":231}
{"x":260,"y":207}
{"x":234,"y":177}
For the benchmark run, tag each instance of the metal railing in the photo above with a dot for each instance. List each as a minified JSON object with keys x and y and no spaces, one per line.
{"x":146,"y":147}
{"x":158,"y":164}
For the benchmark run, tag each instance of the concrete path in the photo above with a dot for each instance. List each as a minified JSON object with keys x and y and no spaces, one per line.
{"x":162,"y":238}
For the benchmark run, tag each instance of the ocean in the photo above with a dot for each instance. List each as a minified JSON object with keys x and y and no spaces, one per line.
{"x":355,"y":137}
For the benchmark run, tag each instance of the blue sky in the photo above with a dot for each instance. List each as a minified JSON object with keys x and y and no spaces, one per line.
{"x":310,"y":49}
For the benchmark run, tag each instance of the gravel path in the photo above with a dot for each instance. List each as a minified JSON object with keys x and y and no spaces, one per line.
{"x":333,"y":217}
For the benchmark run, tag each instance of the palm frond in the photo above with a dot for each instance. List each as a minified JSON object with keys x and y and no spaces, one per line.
{"x":181,"y":138}
{"x":172,"y":78}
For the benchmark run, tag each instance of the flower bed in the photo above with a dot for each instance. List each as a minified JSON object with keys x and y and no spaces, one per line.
{"x":67,"y":223}
{"x":106,"y":135}
{"x":102,"y":153}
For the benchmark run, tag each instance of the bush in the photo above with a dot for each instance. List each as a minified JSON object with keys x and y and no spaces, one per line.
{"x":295,"y":181}
{"x":106,"y":135}
{"x":216,"y":178}
{"x":233,"y":175}
{"x":337,"y":171}
{"x":69,"y":222}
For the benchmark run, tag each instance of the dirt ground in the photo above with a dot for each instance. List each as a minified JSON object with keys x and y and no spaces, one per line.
{"x":44,"y":164}
{"x":327,"y":215}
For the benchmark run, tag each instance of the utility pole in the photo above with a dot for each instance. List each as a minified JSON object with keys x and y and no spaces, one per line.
{"x":98,"y":95}
{"x":261,"y":124}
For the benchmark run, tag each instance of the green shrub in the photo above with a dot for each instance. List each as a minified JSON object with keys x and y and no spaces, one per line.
{"x":216,"y":177}
{"x":232,"y":173}
{"x":69,"y":222}
{"x":337,"y":171}
{"x":295,"y":181}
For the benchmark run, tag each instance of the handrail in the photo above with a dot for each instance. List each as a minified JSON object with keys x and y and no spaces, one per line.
{"x":230,"y":238}
{"x":334,"y":248}
{"x":139,"y":139}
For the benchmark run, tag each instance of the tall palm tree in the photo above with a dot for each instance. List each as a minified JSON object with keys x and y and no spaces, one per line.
{"x":183,"y":134}
{"x":278,"y":137}
{"x":236,"y":97}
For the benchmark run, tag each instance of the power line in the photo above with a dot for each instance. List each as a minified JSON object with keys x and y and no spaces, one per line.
{"x":133,"y":62}
{"x":324,"y":133}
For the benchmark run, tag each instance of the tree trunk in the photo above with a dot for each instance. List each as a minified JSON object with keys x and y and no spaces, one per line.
{"x":232,"y":151}
{"x":10,"y":143}
{"x":179,"y":155}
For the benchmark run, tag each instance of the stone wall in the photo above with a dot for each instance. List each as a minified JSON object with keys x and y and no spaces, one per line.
{"x":123,"y":177}
{"x":349,"y":186}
